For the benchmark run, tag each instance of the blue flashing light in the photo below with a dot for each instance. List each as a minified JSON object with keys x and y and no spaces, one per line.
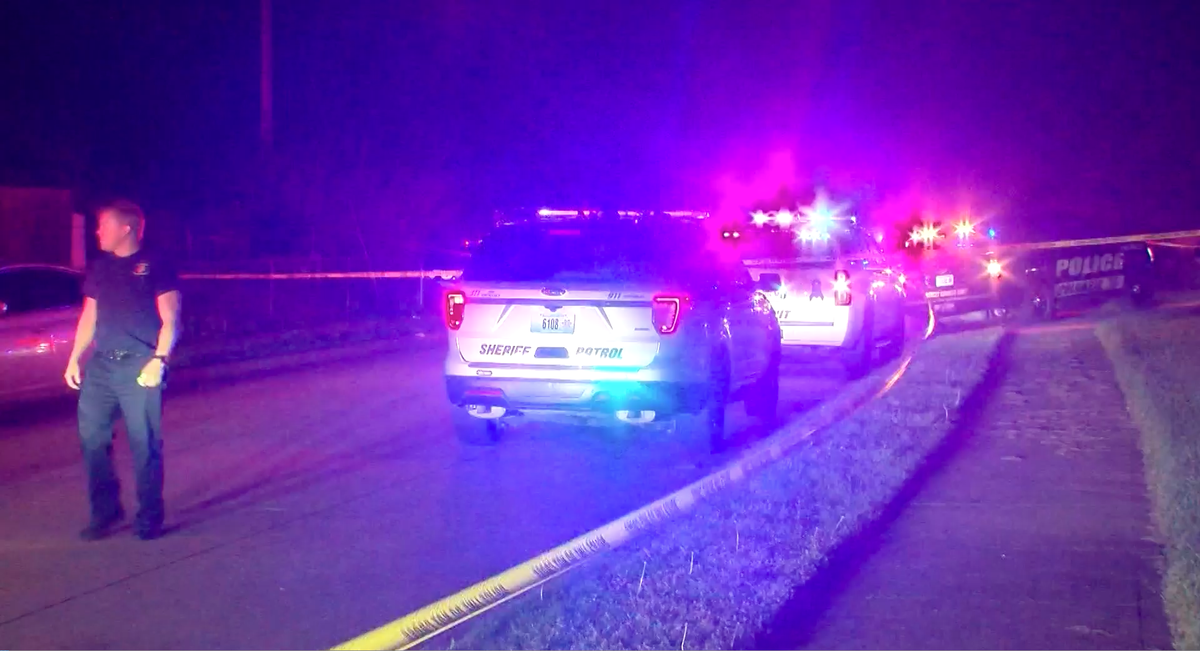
{"x":992,"y":233}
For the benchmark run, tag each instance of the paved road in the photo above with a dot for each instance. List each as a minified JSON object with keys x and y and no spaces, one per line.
{"x":310,"y":506}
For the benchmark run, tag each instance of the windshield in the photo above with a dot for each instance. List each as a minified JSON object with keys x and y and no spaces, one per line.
{"x":620,"y":252}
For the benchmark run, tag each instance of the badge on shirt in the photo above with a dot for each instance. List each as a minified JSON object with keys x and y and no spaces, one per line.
{"x":141,"y":269}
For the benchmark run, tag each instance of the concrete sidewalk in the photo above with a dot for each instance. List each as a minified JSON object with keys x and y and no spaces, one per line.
{"x":1034,"y":532}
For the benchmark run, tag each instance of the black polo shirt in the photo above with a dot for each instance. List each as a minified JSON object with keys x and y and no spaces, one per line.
{"x":126,"y":292}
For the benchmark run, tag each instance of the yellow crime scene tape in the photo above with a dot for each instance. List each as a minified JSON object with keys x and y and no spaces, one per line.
{"x":1122,"y":239}
{"x":437,"y":618}
{"x":1157,"y":239}
{"x":1174,"y":245}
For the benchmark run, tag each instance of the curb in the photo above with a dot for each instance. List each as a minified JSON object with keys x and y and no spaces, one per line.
{"x":449,"y":612}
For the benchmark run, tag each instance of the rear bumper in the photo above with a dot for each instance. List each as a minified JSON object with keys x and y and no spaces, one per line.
{"x":949,"y":306}
{"x":824,"y":327}
{"x":973,"y":296}
{"x":578,"y":396}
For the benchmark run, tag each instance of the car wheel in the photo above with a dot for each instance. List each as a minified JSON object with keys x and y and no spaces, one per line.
{"x":762,"y":399}
{"x":1141,"y":296}
{"x":895,"y":346}
{"x":1038,"y":306}
{"x":857,"y":360}
{"x":710,"y":421}
{"x":476,"y":431}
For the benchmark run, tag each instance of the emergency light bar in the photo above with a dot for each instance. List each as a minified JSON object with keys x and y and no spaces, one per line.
{"x":929,"y":233}
{"x":555,"y":215}
{"x":822,"y":213}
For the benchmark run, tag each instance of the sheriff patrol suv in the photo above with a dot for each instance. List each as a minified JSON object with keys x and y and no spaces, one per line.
{"x":622,"y":316}
{"x":832,"y":286}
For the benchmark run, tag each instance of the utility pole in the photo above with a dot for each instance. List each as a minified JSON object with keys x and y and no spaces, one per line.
{"x":266,"y":128}
{"x":265,"y":181}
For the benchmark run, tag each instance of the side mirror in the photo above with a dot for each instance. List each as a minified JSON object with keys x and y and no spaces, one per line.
{"x":769,"y":282}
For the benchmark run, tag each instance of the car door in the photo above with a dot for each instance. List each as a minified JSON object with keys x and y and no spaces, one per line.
{"x":744,"y":310}
{"x":37,"y":328}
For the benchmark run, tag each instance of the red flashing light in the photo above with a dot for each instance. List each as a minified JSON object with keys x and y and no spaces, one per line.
{"x":665,"y":313}
{"x":841,"y":288}
{"x":456,"y":303}
{"x":994,"y":268}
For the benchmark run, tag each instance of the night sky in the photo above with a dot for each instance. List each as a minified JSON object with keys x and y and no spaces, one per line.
{"x":1059,"y":117}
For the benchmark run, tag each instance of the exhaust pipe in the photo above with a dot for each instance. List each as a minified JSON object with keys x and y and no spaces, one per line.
{"x":636,"y":417}
{"x":487,"y":412}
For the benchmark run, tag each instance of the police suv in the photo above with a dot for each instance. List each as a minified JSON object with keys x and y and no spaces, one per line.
{"x":622,"y":316}
{"x":960,"y":269}
{"x":830,"y":283}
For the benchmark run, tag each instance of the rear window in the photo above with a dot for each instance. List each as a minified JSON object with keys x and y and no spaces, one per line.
{"x":587,"y":252}
{"x":774,"y":243}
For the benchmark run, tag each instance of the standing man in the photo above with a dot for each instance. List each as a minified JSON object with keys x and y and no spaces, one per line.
{"x":131,"y":312}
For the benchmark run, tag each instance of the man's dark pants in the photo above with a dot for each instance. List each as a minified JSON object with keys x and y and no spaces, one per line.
{"x":109,"y":384}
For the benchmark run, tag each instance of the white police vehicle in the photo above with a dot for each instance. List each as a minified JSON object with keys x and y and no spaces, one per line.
{"x":620,"y":316}
{"x":833,"y":288}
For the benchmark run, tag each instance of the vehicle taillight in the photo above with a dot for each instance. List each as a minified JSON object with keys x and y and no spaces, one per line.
{"x":665,"y":314}
{"x":455,"y":306}
{"x":35,"y":344}
{"x":841,"y":288}
{"x":994,"y":268}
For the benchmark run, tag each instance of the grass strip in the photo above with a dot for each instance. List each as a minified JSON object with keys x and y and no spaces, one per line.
{"x":1157,"y":362}
{"x":717,"y":576}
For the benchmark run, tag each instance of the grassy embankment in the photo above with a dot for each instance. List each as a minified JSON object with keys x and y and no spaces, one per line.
{"x":718,"y":575}
{"x":1157,"y":362}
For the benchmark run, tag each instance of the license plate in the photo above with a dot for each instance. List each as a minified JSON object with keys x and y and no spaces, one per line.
{"x":553,"y":323}
{"x":945,"y":280}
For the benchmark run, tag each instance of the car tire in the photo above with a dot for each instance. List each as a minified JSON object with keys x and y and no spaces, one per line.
{"x":857,"y":360}
{"x":895,"y":346}
{"x":1141,"y":296}
{"x":762,"y":399}
{"x":1039,"y":306}
{"x":709,"y":422}
{"x":476,"y":431}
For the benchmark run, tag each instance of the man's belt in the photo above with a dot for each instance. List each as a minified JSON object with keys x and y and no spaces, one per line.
{"x":121,"y":355}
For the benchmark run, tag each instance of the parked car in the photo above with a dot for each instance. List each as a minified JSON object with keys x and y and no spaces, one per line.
{"x":39,"y":309}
